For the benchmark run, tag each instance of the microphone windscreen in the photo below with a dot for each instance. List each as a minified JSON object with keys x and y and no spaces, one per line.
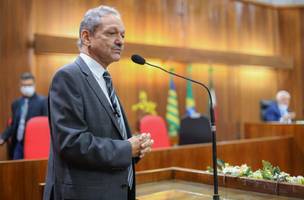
{"x":138,"y":59}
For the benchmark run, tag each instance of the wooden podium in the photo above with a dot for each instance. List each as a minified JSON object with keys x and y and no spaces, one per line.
{"x":21,"y":179}
{"x":296,"y":131}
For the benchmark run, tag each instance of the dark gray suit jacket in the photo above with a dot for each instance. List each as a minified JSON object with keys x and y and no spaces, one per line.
{"x":88,"y":157}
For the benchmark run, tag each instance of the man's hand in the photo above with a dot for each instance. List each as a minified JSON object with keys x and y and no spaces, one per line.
{"x":292,"y":115}
{"x":1,"y":141}
{"x":146,"y":144}
{"x":289,"y":116}
{"x":135,"y":143}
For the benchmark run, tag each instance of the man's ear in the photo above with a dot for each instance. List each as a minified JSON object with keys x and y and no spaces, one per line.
{"x":85,"y":38}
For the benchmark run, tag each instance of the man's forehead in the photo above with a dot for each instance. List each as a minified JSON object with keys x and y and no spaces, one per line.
{"x":112,"y":21}
{"x":27,"y":81}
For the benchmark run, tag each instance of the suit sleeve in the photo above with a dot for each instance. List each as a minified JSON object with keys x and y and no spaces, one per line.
{"x":70,"y":134}
{"x":8,"y":132}
{"x":271,"y":114}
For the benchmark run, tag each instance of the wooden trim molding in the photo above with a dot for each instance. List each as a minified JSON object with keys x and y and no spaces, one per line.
{"x":44,"y":44}
{"x":273,"y":5}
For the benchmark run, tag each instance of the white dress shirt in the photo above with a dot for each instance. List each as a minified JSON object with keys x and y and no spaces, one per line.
{"x":97,"y":71}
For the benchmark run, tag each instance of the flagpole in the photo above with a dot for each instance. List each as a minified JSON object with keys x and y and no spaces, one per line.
{"x":213,"y":129}
{"x":214,"y":152}
{"x":141,"y":61}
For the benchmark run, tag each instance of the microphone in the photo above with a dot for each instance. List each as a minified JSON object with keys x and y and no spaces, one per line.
{"x":141,"y":61}
{"x":138,"y":59}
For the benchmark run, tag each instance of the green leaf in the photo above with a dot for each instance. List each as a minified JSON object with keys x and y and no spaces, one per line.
{"x":267,"y":165}
{"x":248,"y":171}
{"x":276,"y":170}
{"x":209,"y":169}
{"x":220,"y":164}
{"x":266,"y":174}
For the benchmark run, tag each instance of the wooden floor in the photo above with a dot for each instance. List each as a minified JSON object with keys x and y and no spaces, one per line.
{"x":180,"y":190}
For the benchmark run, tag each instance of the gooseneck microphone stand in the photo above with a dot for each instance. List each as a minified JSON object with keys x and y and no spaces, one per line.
{"x":140,"y":60}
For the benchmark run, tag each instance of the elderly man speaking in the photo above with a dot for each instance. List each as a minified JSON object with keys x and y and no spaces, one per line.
{"x":92,"y":152}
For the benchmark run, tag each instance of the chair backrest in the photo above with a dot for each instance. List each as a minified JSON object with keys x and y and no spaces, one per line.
{"x":156,"y":126}
{"x":264,"y":104}
{"x":37,"y":138}
{"x":9,"y":121}
{"x":194,"y":130}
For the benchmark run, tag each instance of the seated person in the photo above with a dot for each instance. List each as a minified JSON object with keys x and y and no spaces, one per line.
{"x":24,"y":108}
{"x":278,"y":111}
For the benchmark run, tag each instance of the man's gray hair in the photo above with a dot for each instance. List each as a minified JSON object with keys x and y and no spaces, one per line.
{"x":282,"y":93}
{"x":92,"y":18}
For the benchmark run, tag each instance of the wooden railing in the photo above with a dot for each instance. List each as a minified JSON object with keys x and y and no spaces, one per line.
{"x":261,"y":130}
{"x":21,"y":179}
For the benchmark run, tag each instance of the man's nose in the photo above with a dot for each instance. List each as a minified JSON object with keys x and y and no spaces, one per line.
{"x":119,"y":41}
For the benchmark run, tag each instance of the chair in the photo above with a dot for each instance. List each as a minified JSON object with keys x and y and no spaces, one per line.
{"x":156,"y":126}
{"x":9,"y":121}
{"x":195,"y":130}
{"x":264,"y":104}
{"x":37,"y":138}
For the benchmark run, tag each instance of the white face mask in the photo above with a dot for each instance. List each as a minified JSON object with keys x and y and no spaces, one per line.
{"x":27,"y":91}
{"x":283,"y":107}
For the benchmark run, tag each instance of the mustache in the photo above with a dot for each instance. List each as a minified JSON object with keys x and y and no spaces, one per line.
{"x":118,"y":47}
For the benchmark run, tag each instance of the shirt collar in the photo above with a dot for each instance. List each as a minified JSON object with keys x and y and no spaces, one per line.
{"x":96,"y":68}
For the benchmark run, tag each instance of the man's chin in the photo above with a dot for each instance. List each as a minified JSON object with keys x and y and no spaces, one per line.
{"x":116,"y":57}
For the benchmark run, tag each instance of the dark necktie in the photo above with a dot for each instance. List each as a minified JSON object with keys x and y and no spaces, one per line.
{"x":117,"y":112}
{"x":111,"y":92}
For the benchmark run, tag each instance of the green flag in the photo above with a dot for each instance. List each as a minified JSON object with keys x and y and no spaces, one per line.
{"x":190,"y":103}
{"x":172,"y":115}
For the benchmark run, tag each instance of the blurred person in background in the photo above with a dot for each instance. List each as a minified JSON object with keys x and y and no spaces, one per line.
{"x":278,"y":110}
{"x":27,"y":106}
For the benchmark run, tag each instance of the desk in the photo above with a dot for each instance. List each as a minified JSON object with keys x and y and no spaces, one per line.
{"x":259,"y":130}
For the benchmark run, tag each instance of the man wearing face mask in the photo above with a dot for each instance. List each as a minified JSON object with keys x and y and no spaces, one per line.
{"x":278,"y":111}
{"x":29,"y":105}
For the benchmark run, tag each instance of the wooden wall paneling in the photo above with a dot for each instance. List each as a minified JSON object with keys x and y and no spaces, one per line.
{"x":291,"y":32}
{"x":217,"y":25}
{"x":46,"y":66}
{"x":231,"y":115}
{"x":255,"y":84}
{"x":253,"y":80}
{"x":53,"y":44}
{"x":14,"y":55}
{"x":62,"y":17}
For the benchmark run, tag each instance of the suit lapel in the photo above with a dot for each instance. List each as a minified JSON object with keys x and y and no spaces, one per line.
{"x":98,"y":92}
